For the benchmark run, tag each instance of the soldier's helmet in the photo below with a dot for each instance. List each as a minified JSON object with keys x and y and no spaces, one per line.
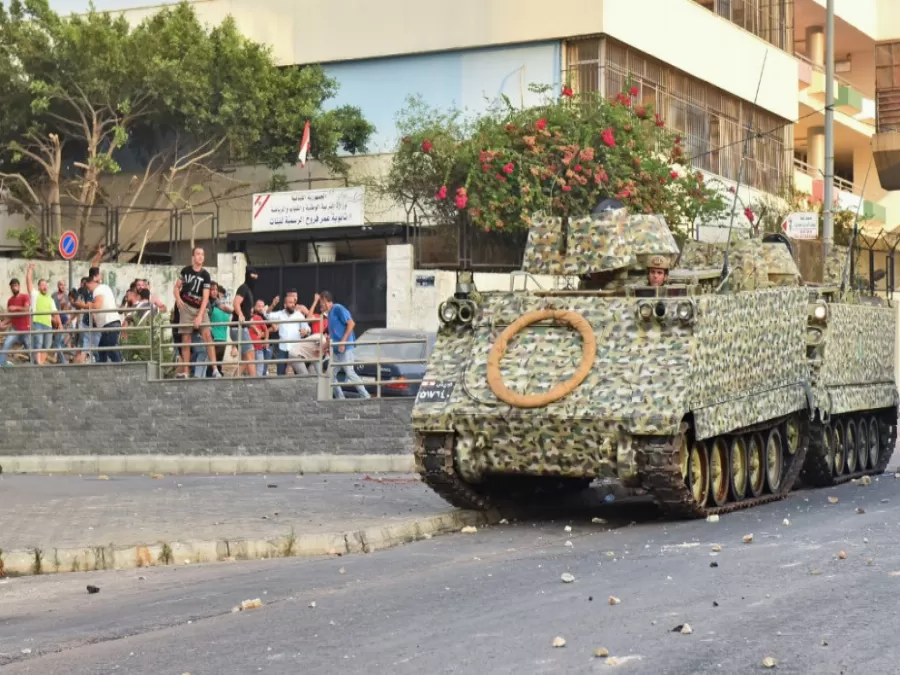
{"x":659,"y":262}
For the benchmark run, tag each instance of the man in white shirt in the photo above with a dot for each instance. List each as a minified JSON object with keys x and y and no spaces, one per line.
{"x":106,"y":317}
{"x":296,"y":331}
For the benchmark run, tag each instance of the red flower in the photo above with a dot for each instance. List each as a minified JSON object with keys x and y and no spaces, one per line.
{"x":510,"y":127}
{"x":567,"y":92}
{"x":485,"y":167}
{"x":441,"y":194}
{"x":641,"y":112}
{"x":426,"y":145}
{"x":577,"y":167}
{"x":732,"y":190}
{"x":566,"y":188}
{"x":674,"y":175}
{"x":508,"y":168}
{"x":624,"y":194}
{"x":608,"y":138}
{"x":749,"y":213}
{"x":659,"y":121}
{"x":501,"y":177}
{"x":601,"y":176}
{"x":634,"y":91}
{"x":678,"y":140}
{"x":540,"y":124}
{"x":461,"y":201}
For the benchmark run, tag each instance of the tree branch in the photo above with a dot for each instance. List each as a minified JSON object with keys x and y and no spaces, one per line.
{"x":21,"y":180}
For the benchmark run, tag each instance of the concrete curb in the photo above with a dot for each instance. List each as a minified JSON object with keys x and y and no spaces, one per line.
{"x":25,"y":562}
{"x":207,"y":464}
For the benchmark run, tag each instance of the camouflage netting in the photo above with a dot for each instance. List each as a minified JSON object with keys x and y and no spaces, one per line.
{"x":613,"y":240}
{"x":753,"y":262}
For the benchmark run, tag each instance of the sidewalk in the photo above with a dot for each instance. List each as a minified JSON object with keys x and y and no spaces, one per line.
{"x":69,"y":523}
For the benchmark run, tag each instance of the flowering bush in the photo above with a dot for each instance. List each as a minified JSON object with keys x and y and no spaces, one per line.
{"x":562,"y":157}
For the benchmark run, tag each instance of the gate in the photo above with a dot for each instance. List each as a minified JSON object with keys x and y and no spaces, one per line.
{"x":359,"y":285}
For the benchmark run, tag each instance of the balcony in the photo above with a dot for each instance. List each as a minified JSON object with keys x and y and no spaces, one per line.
{"x":847,"y":98}
{"x":847,"y":195}
{"x":770,"y":20}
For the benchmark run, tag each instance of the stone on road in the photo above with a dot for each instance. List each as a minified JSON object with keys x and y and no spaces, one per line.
{"x":494,"y":603}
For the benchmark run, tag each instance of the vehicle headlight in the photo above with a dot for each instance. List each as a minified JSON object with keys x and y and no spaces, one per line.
{"x":684,"y":311}
{"x":448,"y":311}
{"x":466,"y":311}
{"x":820,"y":311}
{"x":660,"y":310}
{"x":645,"y":311}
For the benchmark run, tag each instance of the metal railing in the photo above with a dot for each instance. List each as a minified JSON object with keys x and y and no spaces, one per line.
{"x":74,"y":338}
{"x":239,"y":339}
{"x":328,"y":386}
{"x":839,"y":183}
{"x":821,"y":69}
{"x":151,"y":339}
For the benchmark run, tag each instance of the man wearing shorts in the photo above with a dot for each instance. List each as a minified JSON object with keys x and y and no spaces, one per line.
{"x":191,"y":298}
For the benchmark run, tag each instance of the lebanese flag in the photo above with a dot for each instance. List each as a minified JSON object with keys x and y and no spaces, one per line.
{"x":304,"y":145}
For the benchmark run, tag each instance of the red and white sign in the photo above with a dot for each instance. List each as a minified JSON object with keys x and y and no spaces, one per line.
{"x":801,"y":225}
{"x":309,"y":209}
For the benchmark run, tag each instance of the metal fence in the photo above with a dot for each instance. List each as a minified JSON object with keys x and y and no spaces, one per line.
{"x":872,"y":265}
{"x":147,"y":336}
{"x":161,"y":235}
{"x":461,"y":245}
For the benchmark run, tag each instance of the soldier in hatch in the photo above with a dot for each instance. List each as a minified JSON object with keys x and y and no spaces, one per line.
{"x":657,"y":270}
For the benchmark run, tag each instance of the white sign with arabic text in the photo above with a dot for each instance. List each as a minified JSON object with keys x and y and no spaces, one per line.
{"x":308,"y":209}
{"x":801,"y":225}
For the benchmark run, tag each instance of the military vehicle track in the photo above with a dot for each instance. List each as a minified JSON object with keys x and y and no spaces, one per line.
{"x":663,"y":477}
{"x":434,"y":462}
{"x":819,"y":470}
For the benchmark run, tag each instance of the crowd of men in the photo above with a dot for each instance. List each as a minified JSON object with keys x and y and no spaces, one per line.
{"x":293,"y":338}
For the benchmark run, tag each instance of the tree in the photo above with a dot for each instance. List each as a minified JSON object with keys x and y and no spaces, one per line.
{"x":767,"y":213}
{"x":563,"y":157}
{"x":85,"y":94}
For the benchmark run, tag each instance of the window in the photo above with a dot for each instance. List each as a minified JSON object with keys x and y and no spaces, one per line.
{"x":583,"y":61}
{"x":713,"y":124}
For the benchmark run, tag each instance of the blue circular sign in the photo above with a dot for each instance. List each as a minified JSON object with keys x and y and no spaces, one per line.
{"x":68,"y":245}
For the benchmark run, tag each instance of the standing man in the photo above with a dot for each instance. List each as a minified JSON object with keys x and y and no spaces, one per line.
{"x":244,"y":301}
{"x":340,"y":329}
{"x":20,"y":305}
{"x":44,"y":318}
{"x":107,"y":318}
{"x":191,"y":298}
{"x":61,"y":298}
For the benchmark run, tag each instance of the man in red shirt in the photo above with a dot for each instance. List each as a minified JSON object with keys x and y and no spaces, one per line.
{"x":19,"y":326}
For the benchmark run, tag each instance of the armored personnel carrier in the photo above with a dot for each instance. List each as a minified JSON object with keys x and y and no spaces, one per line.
{"x":705,"y":393}
{"x":851,"y":355}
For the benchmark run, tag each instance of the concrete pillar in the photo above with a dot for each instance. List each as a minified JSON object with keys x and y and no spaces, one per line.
{"x":815,"y":151}
{"x":400,"y":260}
{"x":815,"y":45}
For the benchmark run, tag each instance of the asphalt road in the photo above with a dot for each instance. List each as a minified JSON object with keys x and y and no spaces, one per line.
{"x":493,"y":601}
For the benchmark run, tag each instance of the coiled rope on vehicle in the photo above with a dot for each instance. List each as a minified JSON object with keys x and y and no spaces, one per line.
{"x":498,"y":351}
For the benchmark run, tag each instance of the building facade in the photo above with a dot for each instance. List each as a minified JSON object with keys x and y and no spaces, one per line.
{"x":713,"y":69}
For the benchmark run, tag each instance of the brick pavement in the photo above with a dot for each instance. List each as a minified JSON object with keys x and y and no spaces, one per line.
{"x":82,"y":511}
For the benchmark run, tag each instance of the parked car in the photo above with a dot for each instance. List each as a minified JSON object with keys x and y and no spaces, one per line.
{"x":394,"y":376}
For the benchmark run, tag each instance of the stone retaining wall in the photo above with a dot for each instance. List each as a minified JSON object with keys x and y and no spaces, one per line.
{"x":115,"y":410}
